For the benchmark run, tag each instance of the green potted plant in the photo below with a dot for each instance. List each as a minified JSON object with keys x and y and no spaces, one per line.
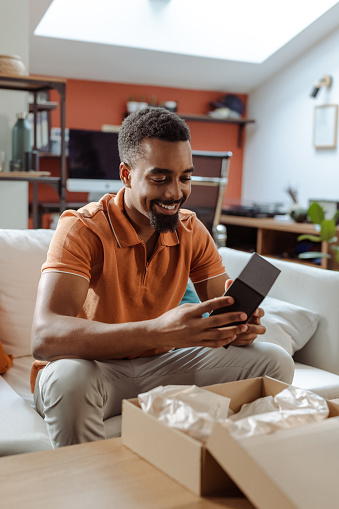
{"x":327,"y":232}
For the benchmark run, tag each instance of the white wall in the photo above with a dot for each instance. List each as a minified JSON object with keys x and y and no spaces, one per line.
{"x":14,"y":37}
{"x":279,"y":148}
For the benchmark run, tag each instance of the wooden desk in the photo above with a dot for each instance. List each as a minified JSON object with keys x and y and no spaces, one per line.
{"x":101,"y":474}
{"x":270,"y":237}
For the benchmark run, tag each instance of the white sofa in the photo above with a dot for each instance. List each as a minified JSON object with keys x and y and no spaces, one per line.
{"x":22,"y":253}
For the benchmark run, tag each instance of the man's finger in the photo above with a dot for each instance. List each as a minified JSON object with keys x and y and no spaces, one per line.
{"x":209,"y":305}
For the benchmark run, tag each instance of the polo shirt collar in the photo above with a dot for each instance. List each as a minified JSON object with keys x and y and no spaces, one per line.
{"x":124,"y":232}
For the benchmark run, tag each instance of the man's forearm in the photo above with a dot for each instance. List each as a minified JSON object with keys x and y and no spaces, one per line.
{"x":72,"y":337}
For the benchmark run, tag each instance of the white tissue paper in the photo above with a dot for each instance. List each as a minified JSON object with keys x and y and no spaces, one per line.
{"x":186,"y":407}
{"x":290,"y":408}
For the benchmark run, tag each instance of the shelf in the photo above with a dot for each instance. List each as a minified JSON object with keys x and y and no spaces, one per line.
{"x":31,"y":83}
{"x":269,"y":224}
{"x":24,"y":175}
{"x":272,"y":237}
{"x":43,"y":106}
{"x":241,"y":122}
{"x":49,"y":154}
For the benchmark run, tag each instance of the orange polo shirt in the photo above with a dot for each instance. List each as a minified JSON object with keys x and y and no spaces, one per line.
{"x":98,"y":242}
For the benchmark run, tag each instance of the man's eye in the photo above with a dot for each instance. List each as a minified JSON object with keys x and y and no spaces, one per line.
{"x":159,"y":180}
{"x":186,"y":179}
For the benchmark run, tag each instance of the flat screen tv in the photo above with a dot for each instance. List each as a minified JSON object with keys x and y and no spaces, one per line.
{"x":93,"y":163}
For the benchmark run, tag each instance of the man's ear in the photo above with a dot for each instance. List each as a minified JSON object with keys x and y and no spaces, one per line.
{"x":125,"y":176}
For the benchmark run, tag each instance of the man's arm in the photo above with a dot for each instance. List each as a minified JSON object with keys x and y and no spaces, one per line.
{"x":58,"y":332}
{"x":211,"y":288}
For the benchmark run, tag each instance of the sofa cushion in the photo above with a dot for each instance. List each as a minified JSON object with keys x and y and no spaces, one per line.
{"x":6,"y":361}
{"x":22,"y":253}
{"x":287,"y":325}
{"x":321,"y":382}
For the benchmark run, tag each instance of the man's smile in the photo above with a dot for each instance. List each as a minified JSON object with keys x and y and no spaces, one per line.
{"x":166,"y":208}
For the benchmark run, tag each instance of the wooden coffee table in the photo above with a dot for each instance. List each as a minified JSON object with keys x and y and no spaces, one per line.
{"x":100,"y":475}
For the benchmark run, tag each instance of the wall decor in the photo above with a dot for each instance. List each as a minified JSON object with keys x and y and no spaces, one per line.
{"x":325,"y":126}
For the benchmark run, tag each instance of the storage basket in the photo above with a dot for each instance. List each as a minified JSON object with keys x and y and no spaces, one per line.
{"x":12,"y":65}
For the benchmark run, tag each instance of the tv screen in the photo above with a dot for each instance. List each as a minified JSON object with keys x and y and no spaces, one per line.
{"x":93,"y":163}
{"x":93,"y":155}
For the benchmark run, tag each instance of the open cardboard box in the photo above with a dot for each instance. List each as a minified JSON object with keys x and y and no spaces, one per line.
{"x":295,"y":468}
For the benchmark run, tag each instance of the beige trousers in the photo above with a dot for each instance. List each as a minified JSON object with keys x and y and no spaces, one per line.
{"x":74,"y":396}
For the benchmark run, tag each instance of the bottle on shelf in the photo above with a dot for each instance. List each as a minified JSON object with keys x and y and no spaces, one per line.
{"x":21,"y":141}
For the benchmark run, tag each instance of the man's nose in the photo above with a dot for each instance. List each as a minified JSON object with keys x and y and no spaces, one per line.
{"x":174,"y":191}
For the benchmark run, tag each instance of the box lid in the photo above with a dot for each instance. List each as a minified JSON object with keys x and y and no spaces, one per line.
{"x":288,"y":469}
{"x":259,"y":274}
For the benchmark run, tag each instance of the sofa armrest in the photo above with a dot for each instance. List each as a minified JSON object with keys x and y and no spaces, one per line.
{"x":21,"y":428}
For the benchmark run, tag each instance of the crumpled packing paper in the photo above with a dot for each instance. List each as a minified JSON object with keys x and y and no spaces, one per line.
{"x":186,"y":407}
{"x":195,"y":410}
{"x":290,"y":408}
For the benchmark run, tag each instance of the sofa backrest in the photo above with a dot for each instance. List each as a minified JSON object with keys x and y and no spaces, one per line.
{"x":22,"y":253}
{"x":309,"y":287}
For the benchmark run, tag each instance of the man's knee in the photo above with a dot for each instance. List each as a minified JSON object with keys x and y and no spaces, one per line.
{"x":280,"y":364}
{"x":71,"y":399}
{"x":68,"y":378}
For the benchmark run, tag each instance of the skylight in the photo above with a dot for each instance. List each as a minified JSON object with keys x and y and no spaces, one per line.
{"x":238,"y":30}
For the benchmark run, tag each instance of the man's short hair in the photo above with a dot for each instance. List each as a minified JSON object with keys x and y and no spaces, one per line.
{"x":151,"y":122}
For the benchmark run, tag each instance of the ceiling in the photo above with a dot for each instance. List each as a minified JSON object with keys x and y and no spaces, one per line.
{"x":101,"y":62}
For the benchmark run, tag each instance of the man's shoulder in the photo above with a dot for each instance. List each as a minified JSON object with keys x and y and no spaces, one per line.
{"x":91,"y":217}
{"x":187,"y":216}
{"x":91,"y":209}
{"x":191,"y":222}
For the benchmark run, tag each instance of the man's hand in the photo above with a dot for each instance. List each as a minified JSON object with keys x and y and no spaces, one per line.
{"x":184,"y":326}
{"x":254,"y":326}
{"x":254,"y":329}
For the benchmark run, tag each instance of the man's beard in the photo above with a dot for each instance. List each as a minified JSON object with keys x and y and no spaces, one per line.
{"x":163,"y":223}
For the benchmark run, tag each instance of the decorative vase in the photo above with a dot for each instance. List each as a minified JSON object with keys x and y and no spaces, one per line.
{"x":21,"y":140}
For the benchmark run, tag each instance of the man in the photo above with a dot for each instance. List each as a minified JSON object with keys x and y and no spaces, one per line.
{"x":107,"y":317}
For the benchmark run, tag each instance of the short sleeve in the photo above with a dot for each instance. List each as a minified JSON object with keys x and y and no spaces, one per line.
{"x":74,"y":249}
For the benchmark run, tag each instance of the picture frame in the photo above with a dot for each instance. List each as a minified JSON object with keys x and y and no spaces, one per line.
{"x":325,"y":126}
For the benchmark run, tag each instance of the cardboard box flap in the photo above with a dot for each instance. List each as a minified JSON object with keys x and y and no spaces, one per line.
{"x":289,"y":469}
{"x":182,"y":457}
{"x":246,"y":391}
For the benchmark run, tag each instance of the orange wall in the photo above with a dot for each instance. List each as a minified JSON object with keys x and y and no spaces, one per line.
{"x":89,"y":104}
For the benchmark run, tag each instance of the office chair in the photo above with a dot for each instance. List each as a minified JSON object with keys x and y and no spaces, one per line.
{"x":209,"y":183}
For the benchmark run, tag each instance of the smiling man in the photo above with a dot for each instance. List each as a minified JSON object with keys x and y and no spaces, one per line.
{"x":107,"y":318}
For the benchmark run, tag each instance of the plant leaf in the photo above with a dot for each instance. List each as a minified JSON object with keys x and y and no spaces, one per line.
{"x":316,"y":213}
{"x":328,"y":230}
{"x":313,"y":238}
{"x":313,"y":254}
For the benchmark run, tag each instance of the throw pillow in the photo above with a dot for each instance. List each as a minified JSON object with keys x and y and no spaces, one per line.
{"x":6,"y":361}
{"x":22,"y":253}
{"x":190,"y":296}
{"x":287,"y":325}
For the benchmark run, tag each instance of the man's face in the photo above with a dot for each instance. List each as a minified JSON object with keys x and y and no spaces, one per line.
{"x":158,"y":184}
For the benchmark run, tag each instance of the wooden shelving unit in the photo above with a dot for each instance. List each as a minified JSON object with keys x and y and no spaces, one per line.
{"x":240,"y":122}
{"x":34,"y":85}
{"x":270,"y":237}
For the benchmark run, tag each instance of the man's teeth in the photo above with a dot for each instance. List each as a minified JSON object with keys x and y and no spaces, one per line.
{"x":169,"y":207}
